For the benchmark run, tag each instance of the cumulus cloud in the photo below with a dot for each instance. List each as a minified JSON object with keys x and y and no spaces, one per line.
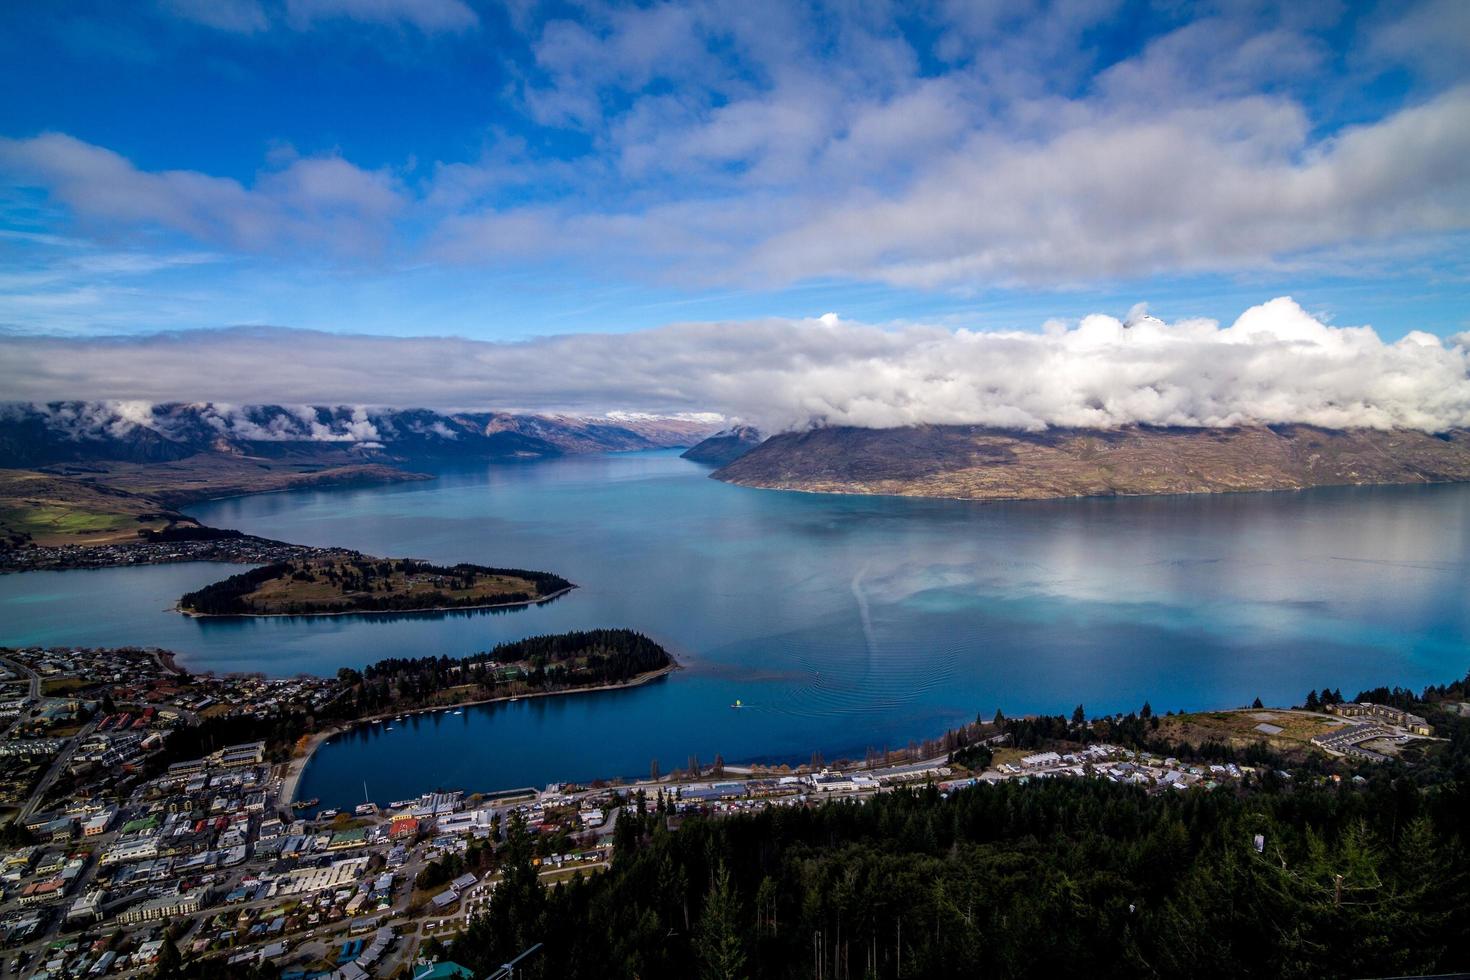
{"x":801,"y":145}
{"x":1188,"y":190}
{"x":765,"y":143}
{"x":309,"y":200}
{"x":1274,"y":364}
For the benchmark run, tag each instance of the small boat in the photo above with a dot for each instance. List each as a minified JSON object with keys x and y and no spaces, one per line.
{"x":459,"y":711}
{"x":738,"y":704}
{"x":388,"y":729}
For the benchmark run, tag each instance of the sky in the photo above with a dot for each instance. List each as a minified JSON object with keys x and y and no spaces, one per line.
{"x":184,"y":175}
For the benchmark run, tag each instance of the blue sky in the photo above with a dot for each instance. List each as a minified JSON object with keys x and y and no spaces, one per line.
{"x":511,"y":171}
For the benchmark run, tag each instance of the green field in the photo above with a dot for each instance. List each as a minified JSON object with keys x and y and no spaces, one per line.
{"x":56,"y":510}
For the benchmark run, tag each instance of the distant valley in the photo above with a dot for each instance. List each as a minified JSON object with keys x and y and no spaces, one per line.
{"x":971,"y":462}
{"x":95,"y":473}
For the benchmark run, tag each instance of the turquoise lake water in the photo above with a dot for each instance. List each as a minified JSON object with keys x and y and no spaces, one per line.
{"x":841,"y":622}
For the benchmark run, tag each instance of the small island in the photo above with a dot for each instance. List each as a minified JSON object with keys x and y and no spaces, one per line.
{"x":337,"y":585}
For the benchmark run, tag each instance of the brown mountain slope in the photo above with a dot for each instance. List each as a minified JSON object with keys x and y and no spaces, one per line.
{"x":725,"y":447}
{"x":989,"y":464}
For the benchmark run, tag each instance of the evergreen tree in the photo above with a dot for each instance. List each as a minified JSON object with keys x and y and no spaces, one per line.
{"x":717,"y":943}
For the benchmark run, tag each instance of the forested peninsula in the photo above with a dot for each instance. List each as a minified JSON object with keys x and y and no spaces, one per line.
{"x":360,"y":584}
{"x":561,"y":663}
{"x":536,"y":665}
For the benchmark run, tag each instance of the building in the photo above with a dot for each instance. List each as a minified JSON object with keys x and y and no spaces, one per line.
{"x":163,"y":908}
{"x":1382,"y":712}
{"x":247,"y":754}
{"x":126,"y":853}
{"x":97,"y":825}
{"x":443,"y":970}
{"x":88,"y":908}
{"x":1347,"y":741}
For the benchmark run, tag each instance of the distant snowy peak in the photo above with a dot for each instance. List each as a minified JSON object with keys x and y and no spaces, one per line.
{"x":727,"y":446}
{"x":35,"y":434}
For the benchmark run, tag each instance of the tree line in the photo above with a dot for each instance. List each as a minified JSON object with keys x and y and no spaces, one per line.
{"x":561,"y":661}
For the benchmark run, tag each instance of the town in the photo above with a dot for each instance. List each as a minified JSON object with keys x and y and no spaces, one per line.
{"x":190,"y":544}
{"x":123,"y":846}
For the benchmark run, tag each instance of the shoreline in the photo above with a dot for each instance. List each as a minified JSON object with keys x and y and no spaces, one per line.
{"x":296,"y":767}
{"x":1054,"y":497}
{"x":166,"y":660}
{"x":377,"y":612}
{"x":235,"y":493}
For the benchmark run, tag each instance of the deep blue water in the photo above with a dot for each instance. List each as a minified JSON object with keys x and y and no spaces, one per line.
{"x":842,"y":622}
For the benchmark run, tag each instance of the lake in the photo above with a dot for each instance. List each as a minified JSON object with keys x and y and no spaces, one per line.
{"x":841,"y":622}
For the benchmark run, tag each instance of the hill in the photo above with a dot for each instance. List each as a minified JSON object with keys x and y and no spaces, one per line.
{"x":978,"y":463}
{"x":53,"y":510}
{"x":330,"y":586}
{"x":725,"y":447}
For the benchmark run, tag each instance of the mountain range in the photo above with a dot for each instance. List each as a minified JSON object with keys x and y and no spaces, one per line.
{"x":33,"y":435}
{"x":993,"y":464}
{"x":104,"y":472}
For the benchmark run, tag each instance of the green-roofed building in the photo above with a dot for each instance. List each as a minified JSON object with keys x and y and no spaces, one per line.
{"x":444,"y":970}
{"x":141,"y":824}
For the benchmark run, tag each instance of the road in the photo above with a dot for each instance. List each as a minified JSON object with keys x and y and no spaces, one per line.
{"x":57,"y":766}
{"x":35,"y":694}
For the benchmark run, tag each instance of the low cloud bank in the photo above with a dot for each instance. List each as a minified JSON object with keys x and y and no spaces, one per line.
{"x":1275,"y":364}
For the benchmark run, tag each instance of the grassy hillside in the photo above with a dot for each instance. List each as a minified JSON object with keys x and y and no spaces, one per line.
{"x":51,"y":510}
{"x":319,"y":586}
{"x":979,"y":463}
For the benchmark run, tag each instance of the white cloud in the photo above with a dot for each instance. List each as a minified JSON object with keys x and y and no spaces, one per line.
{"x":765,"y":143}
{"x":1275,"y":364}
{"x":312,"y":200}
{"x":1229,"y":188}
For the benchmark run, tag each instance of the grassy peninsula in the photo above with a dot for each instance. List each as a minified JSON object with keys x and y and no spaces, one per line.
{"x":360,"y":584}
